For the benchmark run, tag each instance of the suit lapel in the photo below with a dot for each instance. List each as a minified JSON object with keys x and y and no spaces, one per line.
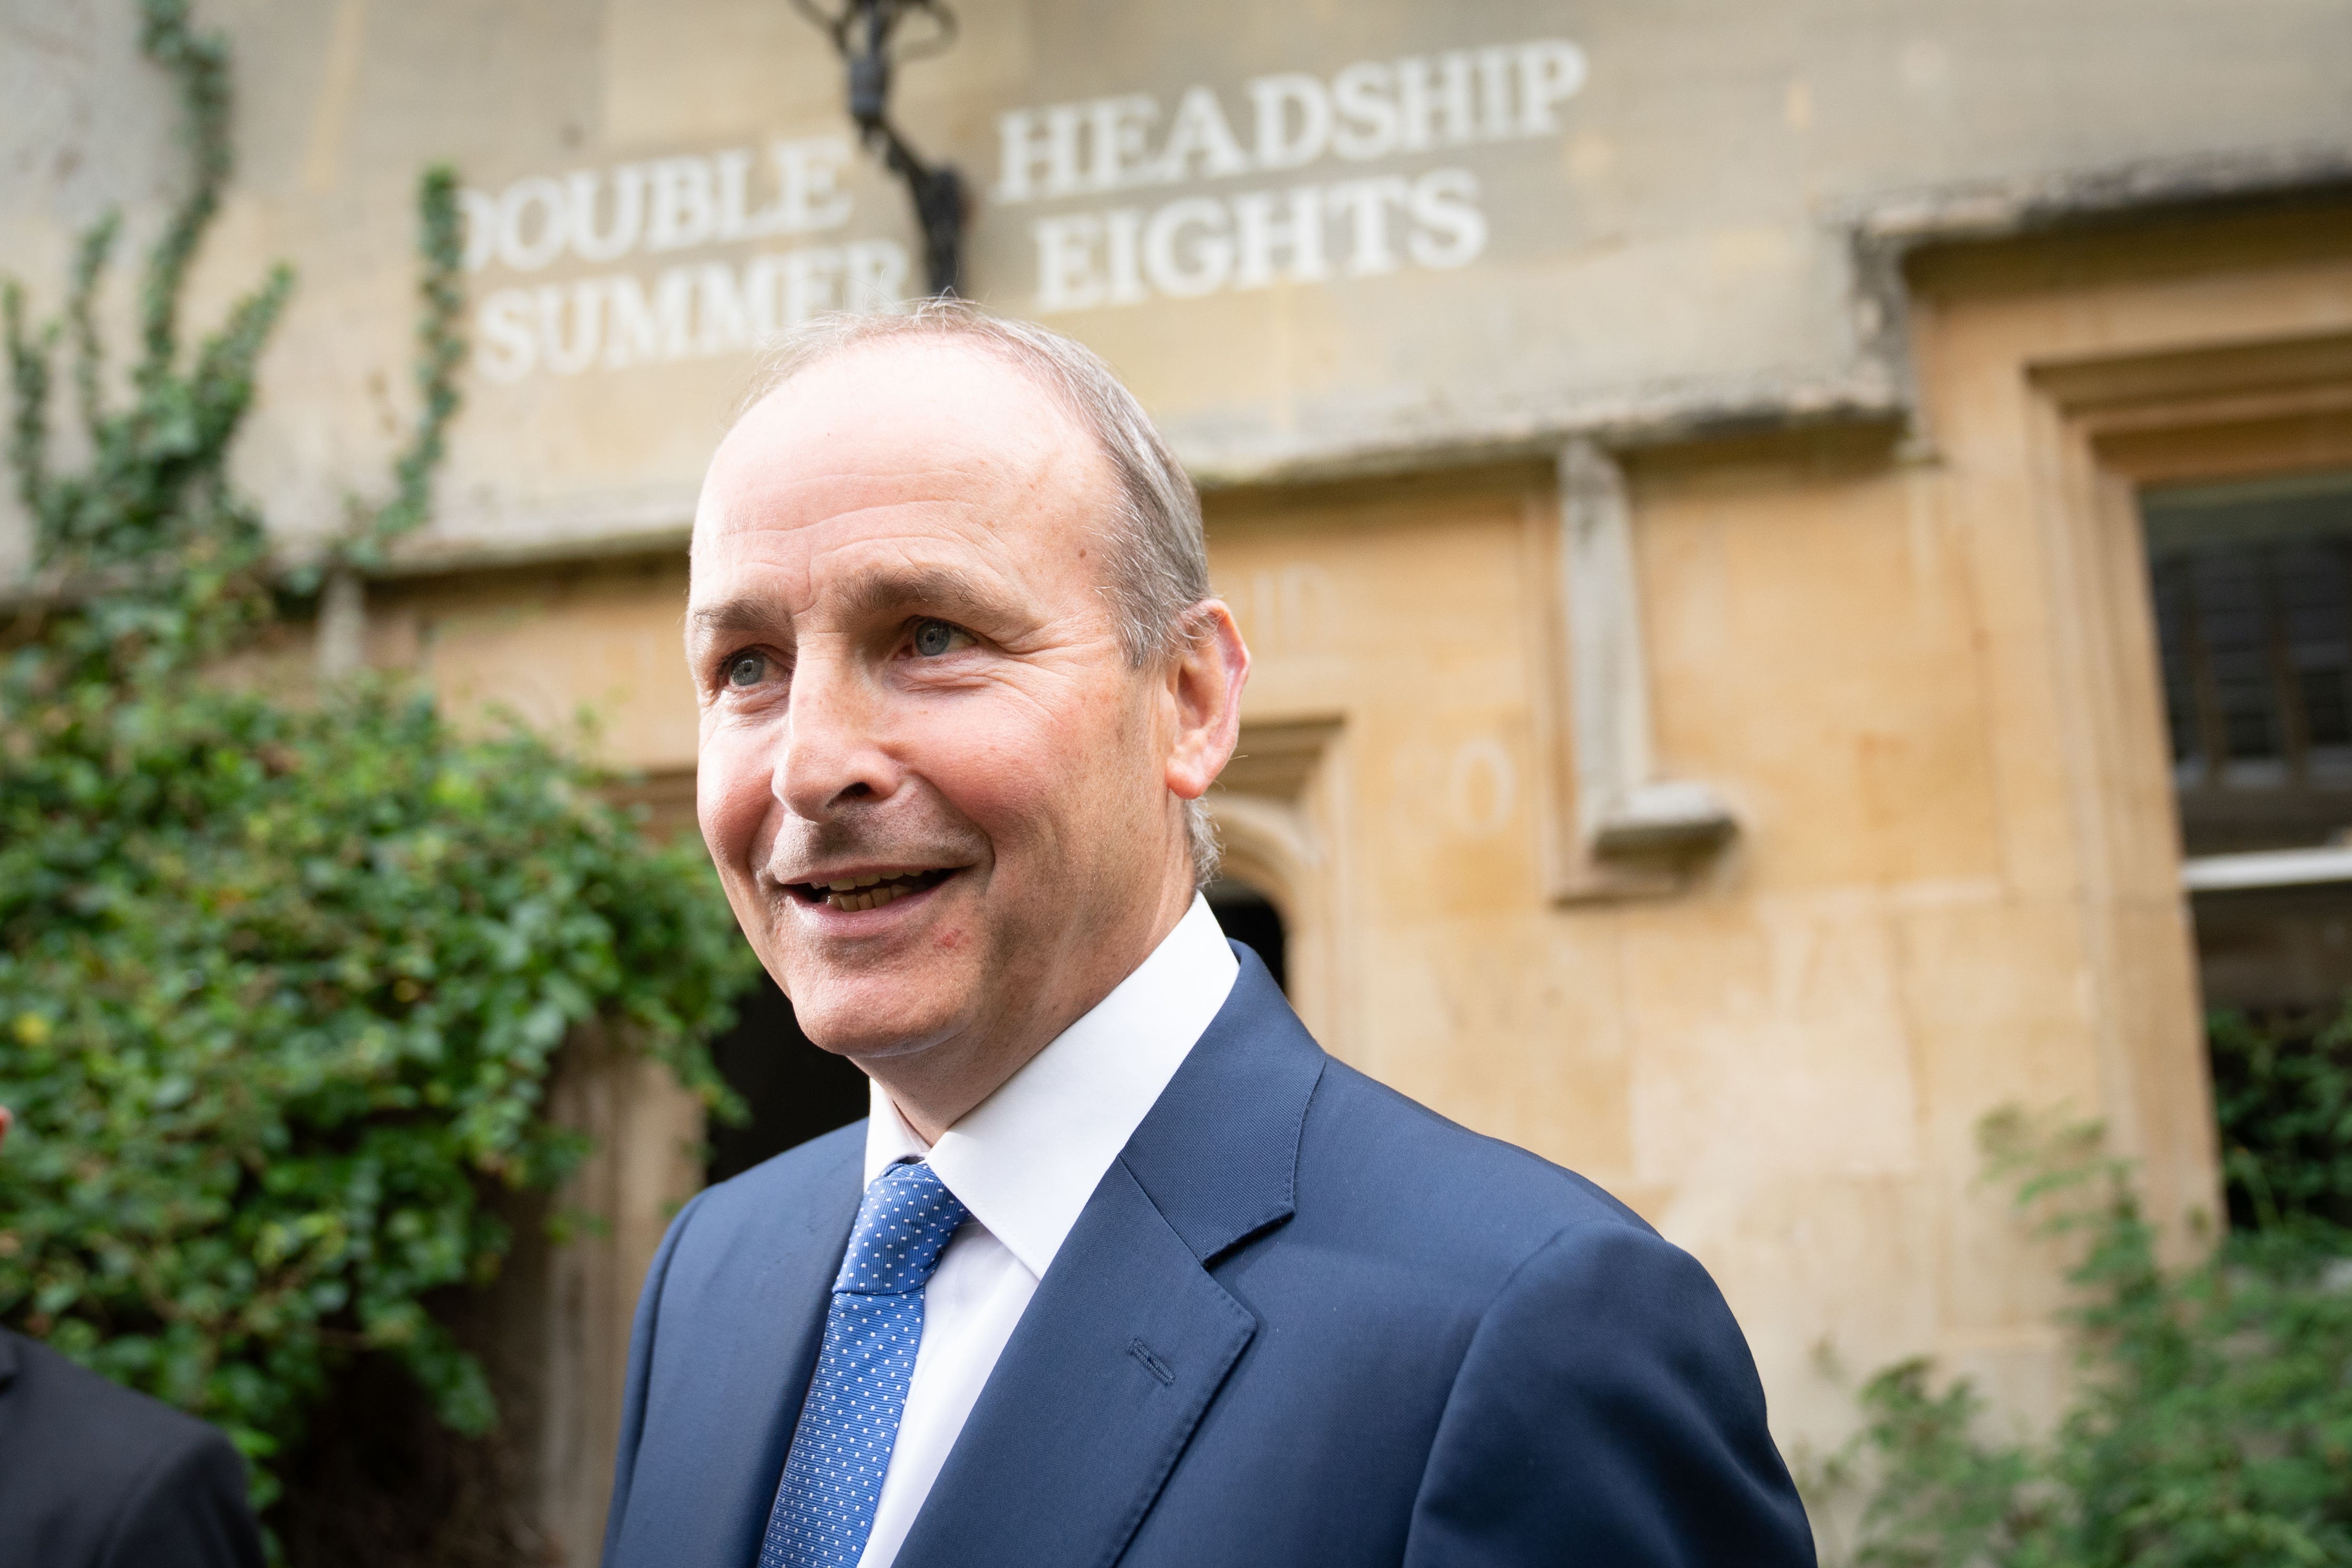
{"x":1128,"y":1339}
{"x":1119,"y":1352}
{"x":770,"y":1371}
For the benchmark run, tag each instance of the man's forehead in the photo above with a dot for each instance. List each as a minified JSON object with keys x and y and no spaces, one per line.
{"x":845,"y":547}
{"x":932,"y":452}
{"x":904,"y":407}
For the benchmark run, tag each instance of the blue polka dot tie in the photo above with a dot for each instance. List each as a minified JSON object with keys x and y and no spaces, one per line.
{"x":832,"y":1476}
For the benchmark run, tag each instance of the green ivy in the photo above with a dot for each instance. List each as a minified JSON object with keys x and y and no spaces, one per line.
{"x":2212,"y":1422}
{"x":2283,"y":1092}
{"x":281,"y":978}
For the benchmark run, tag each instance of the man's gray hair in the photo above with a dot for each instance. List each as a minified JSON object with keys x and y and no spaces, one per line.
{"x":1158,"y":557}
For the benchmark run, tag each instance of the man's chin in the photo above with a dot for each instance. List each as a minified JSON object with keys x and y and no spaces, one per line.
{"x":881,"y":1012}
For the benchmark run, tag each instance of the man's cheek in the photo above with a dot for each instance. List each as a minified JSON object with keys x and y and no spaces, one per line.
{"x":732,"y":799}
{"x":1000,"y":775}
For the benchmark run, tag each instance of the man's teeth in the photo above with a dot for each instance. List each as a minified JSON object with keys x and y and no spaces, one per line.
{"x":854,"y":893}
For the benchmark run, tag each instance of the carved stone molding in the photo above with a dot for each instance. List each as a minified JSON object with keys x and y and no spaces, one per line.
{"x":1634,"y":833}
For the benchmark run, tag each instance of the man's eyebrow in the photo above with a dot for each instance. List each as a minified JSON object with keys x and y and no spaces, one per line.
{"x":732,"y":617}
{"x":939,"y":588}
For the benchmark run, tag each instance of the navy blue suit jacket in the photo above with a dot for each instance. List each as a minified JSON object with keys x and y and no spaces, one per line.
{"x":1301,"y":1321}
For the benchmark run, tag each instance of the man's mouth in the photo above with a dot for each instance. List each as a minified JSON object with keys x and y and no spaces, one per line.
{"x":868,"y":891}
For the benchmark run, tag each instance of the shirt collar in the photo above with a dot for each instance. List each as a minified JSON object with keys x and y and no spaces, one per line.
{"x":1026,"y":1159}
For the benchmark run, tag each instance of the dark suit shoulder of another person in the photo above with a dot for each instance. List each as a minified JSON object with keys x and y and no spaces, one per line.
{"x":95,"y":1475}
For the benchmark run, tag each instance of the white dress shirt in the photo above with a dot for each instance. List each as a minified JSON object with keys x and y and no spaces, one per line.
{"x":1024,"y":1161}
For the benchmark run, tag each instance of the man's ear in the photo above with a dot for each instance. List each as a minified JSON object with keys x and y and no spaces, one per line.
{"x":1204,"y":687}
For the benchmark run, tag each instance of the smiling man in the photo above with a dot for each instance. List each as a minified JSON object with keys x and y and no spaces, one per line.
{"x":1121,"y":1267}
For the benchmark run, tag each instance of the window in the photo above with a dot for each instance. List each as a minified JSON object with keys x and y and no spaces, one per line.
{"x":2253,"y":606}
{"x":2253,"y":590}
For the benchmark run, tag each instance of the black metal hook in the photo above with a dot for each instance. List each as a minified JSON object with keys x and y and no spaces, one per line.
{"x":943,"y":21}
{"x":862,"y":33}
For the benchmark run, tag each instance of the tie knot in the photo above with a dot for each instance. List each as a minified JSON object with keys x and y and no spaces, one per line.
{"x":903,"y":1225}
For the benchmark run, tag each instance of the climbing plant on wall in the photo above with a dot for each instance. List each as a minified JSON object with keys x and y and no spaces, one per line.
{"x":281,"y":974}
{"x":2212,"y":1422}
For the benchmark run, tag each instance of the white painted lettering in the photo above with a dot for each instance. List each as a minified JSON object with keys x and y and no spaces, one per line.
{"x":1495,"y":95}
{"x":503,"y":328}
{"x":477,"y":214}
{"x":1434,"y":104}
{"x":586,"y":298}
{"x":1258,"y":236}
{"x":1183,"y":248}
{"x":642,"y":330}
{"x":1452,"y":230}
{"x":734,"y":170}
{"x":1365,"y":112}
{"x":1026,"y":145}
{"x":685,"y":208}
{"x":695,"y":310}
{"x":1124,"y":227}
{"x":1550,"y":72}
{"x":763,"y":278}
{"x":1198,"y":130}
{"x":1116,"y":128}
{"x":1066,"y":278}
{"x":1281,"y":144}
{"x":1366,"y":203}
{"x":518,"y":247}
{"x":1212,"y":258}
{"x":722,"y":314}
{"x":628,"y":213}
{"x":808,"y":190}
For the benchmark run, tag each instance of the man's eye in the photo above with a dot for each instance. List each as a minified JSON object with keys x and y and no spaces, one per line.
{"x":933,"y":638}
{"x":747,"y":669}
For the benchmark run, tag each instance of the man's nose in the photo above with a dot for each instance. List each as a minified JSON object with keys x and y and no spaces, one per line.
{"x":831,"y":754}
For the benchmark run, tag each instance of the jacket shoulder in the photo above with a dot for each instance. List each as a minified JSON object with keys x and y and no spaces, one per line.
{"x":109,"y":1434}
{"x":1435,"y":1186}
{"x":783,"y":1185}
{"x":782,"y":1178}
{"x":86,"y":1464}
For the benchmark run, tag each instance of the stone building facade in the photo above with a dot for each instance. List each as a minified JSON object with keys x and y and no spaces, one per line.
{"x":1787,"y":546}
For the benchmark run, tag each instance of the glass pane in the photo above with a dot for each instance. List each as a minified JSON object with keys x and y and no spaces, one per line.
{"x":2253,"y":607}
{"x":2253,"y":596}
